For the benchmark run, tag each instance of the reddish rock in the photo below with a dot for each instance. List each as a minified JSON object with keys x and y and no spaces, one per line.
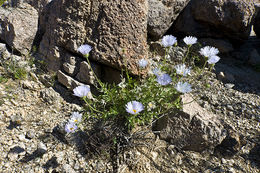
{"x":116,"y":31}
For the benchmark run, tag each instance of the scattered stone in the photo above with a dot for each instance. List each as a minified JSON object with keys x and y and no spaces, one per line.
{"x":41,"y":148}
{"x":12,"y":157}
{"x":85,"y":74}
{"x":47,"y":80}
{"x":30,"y":134}
{"x":230,"y":145}
{"x":67,"y":169}
{"x":50,"y":96}
{"x":22,"y":138}
{"x":67,"y":81}
{"x":26,"y":84}
{"x":70,"y":69}
{"x":229,"y":85}
{"x":2,"y":47}
{"x":19,"y":27}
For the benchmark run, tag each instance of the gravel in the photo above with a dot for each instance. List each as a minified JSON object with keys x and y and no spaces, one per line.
{"x":33,"y":115}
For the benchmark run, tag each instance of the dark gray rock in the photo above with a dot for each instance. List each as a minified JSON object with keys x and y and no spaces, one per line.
{"x":257,"y":20}
{"x":217,"y":19}
{"x":162,"y":14}
{"x":224,"y":46}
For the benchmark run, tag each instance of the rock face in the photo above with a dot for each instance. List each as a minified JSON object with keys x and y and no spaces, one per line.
{"x":257,"y":20}
{"x":37,"y":4}
{"x":162,"y":13}
{"x":18,"y":27}
{"x":193,"y":129}
{"x":116,"y":31}
{"x":217,"y":19}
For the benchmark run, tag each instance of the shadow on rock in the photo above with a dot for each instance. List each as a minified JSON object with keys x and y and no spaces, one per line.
{"x":17,"y":150}
{"x":242,"y":76}
{"x":52,"y":163}
{"x":230,"y":146}
{"x":13,"y":124}
{"x":254,"y":156}
{"x":36,"y":154}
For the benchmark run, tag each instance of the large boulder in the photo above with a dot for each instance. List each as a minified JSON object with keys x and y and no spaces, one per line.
{"x":117,"y":31}
{"x":193,"y":128}
{"x":162,"y":14}
{"x":18,"y":27}
{"x":217,"y":19}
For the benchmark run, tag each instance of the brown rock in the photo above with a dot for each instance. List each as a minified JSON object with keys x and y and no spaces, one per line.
{"x":67,"y":81}
{"x":217,"y":19}
{"x":162,"y":14}
{"x":230,"y":145}
{"x":116,"y":31}
{"x":193,"y":128}
{"x":18,"y":27}
{"x":86,"y":75}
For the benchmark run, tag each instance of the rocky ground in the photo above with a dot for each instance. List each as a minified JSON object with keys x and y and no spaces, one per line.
{"x":32,"y":112}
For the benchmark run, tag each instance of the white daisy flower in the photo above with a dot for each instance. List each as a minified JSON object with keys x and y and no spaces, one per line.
{"x":164,"y":79}
{"x":134,"y":107}
{"x":213,"y":59}
{"x":182,"y":70}
{"x":168,"y":40}
{"x":189,"y":40}
{"x":85,"y":49}
{"x":81,"y":91}
{"x":75,"y":117}
{"x":208,"y":51}
{"x":183,"y":87}
{"x":70,"y":127}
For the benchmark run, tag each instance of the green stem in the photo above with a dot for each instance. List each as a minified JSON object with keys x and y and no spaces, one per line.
{"x":203,"y":68}
{"x":99,"y":82}
{"x":92,"y":108}
{"x":183,"y":61}
{"x":211,"y":67}
{"x":166,"y":53}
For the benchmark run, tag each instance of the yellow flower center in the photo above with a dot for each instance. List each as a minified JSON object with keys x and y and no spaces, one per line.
{"x":71,"y":128}
{"x":134,"y":110}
